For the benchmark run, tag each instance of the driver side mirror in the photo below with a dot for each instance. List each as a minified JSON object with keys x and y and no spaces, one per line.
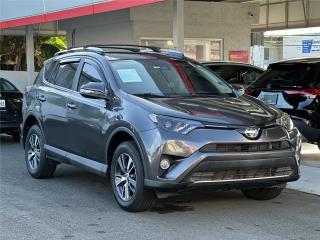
{"x":94,"y":90}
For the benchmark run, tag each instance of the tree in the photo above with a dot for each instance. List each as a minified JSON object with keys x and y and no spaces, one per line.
{"x":13,"y":51}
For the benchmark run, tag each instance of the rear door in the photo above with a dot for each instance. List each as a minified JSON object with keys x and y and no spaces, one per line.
{"x":52,"y":96}
{"x":87,"y":117}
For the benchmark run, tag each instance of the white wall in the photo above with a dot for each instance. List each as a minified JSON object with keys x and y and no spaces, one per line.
{"x":227,"y":21}
{"x":203,"y":20}
{"x":18,"y":78}
{"x":110,"y":27}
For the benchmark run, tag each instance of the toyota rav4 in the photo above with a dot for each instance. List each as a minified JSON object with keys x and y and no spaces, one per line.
{"x":154,"y":120}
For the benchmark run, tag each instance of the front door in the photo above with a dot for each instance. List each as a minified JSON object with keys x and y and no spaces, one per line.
{"x":88,"y":117}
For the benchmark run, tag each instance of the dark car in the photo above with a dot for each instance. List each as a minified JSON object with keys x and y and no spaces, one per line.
{"x":157,"y":121}
{"x":10,"y":109}
{"x":238,"y":74}
{"x":294,"y":87}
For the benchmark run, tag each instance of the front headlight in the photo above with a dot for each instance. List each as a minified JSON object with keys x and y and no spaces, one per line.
{"x":285,"y":121}
{"x":177,"y":125}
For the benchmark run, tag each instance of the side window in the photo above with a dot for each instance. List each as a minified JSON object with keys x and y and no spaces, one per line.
{"x":39,"y":76}
{"x":89,"y":73}
{"x":48,"y":70}
{"x":65,"y":74}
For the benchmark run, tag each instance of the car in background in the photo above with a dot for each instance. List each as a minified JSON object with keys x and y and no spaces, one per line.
{"x":240,"y":75}
{"x":294,"y":87}
{"x":10,"y":109}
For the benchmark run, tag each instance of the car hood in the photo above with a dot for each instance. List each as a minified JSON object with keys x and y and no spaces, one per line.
{"x":243,"y":110}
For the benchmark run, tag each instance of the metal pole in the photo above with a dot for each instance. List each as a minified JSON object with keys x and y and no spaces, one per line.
{"x":30,"y":54}
{"x":178,"y":24}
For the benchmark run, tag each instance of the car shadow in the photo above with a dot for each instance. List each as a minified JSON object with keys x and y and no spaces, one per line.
{"x":6,"y":139}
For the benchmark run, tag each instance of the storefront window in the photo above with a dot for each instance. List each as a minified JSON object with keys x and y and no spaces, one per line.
{"x":201,"y":50}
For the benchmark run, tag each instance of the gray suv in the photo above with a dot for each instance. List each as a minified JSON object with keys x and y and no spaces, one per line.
{"x":154,"y":121}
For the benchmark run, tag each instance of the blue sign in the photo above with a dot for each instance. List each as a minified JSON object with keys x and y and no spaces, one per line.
{"x":306,"y":46}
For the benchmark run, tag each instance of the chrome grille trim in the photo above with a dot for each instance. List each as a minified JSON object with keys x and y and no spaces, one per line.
{"x":241,"y":175}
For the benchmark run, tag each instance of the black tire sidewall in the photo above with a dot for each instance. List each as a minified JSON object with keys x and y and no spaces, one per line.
{"x":35,"y":129}
{"x":130,"y":149}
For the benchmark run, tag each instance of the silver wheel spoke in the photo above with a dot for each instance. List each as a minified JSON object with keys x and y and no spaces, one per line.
{"x":30,"y":155}
{"x":33,"y":154}
{"x":125,"y":177}
{"x":126,"y":191}
{"x":31,"y":141}
{"x":119,"y":179}
{"x":36,"y":142}
{"x":132,"y":184}
{"x":122,"y":164}
{"x":129,"y":165}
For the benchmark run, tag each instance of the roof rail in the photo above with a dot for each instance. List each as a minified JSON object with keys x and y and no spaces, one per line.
{"x":98,"y":48}
{"x":129,"y":47}
{"x":78,"y":49}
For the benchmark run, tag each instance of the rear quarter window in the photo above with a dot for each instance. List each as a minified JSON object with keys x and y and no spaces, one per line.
{"x":48,"y":70}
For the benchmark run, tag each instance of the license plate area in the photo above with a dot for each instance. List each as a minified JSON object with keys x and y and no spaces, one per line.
{"x":2,"y":103}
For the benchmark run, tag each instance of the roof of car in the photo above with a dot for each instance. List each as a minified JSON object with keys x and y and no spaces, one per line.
{"x":299,"y":60}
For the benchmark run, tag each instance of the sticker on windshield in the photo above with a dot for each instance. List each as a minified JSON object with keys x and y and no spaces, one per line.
{"x":129,"y":75}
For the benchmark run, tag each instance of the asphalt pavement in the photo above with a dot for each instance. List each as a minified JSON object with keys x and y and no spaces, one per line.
{"x":75,"y":204}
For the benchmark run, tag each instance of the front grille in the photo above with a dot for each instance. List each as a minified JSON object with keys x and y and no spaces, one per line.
{"x":245,"y":147}
{"x":241,"y":174}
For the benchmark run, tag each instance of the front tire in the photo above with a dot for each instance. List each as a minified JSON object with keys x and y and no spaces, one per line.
{"x":127,"y":179}
{"x":262,"y":193}
{"x":37,"y":164}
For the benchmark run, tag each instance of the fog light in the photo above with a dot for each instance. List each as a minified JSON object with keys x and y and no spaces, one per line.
{"x":164,"y":164}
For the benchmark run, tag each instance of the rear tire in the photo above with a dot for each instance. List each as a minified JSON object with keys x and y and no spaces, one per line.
{"x":262,"y":193}
{"x":37,"y":164}
{"x":127,"y":179}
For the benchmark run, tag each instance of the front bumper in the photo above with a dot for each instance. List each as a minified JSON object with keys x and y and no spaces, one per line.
{"x":238,"y":168}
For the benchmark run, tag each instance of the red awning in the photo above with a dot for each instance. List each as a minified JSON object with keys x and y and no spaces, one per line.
{"x":75,"y":12}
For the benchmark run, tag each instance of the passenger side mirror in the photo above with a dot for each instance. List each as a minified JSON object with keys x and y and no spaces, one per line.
{"x":94,"y":90}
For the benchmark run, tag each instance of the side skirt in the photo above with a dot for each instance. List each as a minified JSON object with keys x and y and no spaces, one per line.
{"x":76,"y":160}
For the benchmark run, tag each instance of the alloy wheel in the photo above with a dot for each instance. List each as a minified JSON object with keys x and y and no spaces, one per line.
{"x":125,"y":177}
{"x":34,"y":152}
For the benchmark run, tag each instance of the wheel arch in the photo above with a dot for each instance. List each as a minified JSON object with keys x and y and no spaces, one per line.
{"x":122,"y":134}
{"x":29,"y":121}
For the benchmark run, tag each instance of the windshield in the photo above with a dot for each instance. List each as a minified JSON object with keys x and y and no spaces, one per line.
{"x":163,"y":77}
{"x":6,"y":86}
{"x":289,"y":76}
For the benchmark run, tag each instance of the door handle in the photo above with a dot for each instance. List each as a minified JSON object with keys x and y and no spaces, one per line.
{"x":71,"y":105}
{"x":42,"y":98}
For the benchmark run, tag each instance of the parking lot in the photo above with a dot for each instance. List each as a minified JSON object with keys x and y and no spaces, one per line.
{"x":78,"y":205}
